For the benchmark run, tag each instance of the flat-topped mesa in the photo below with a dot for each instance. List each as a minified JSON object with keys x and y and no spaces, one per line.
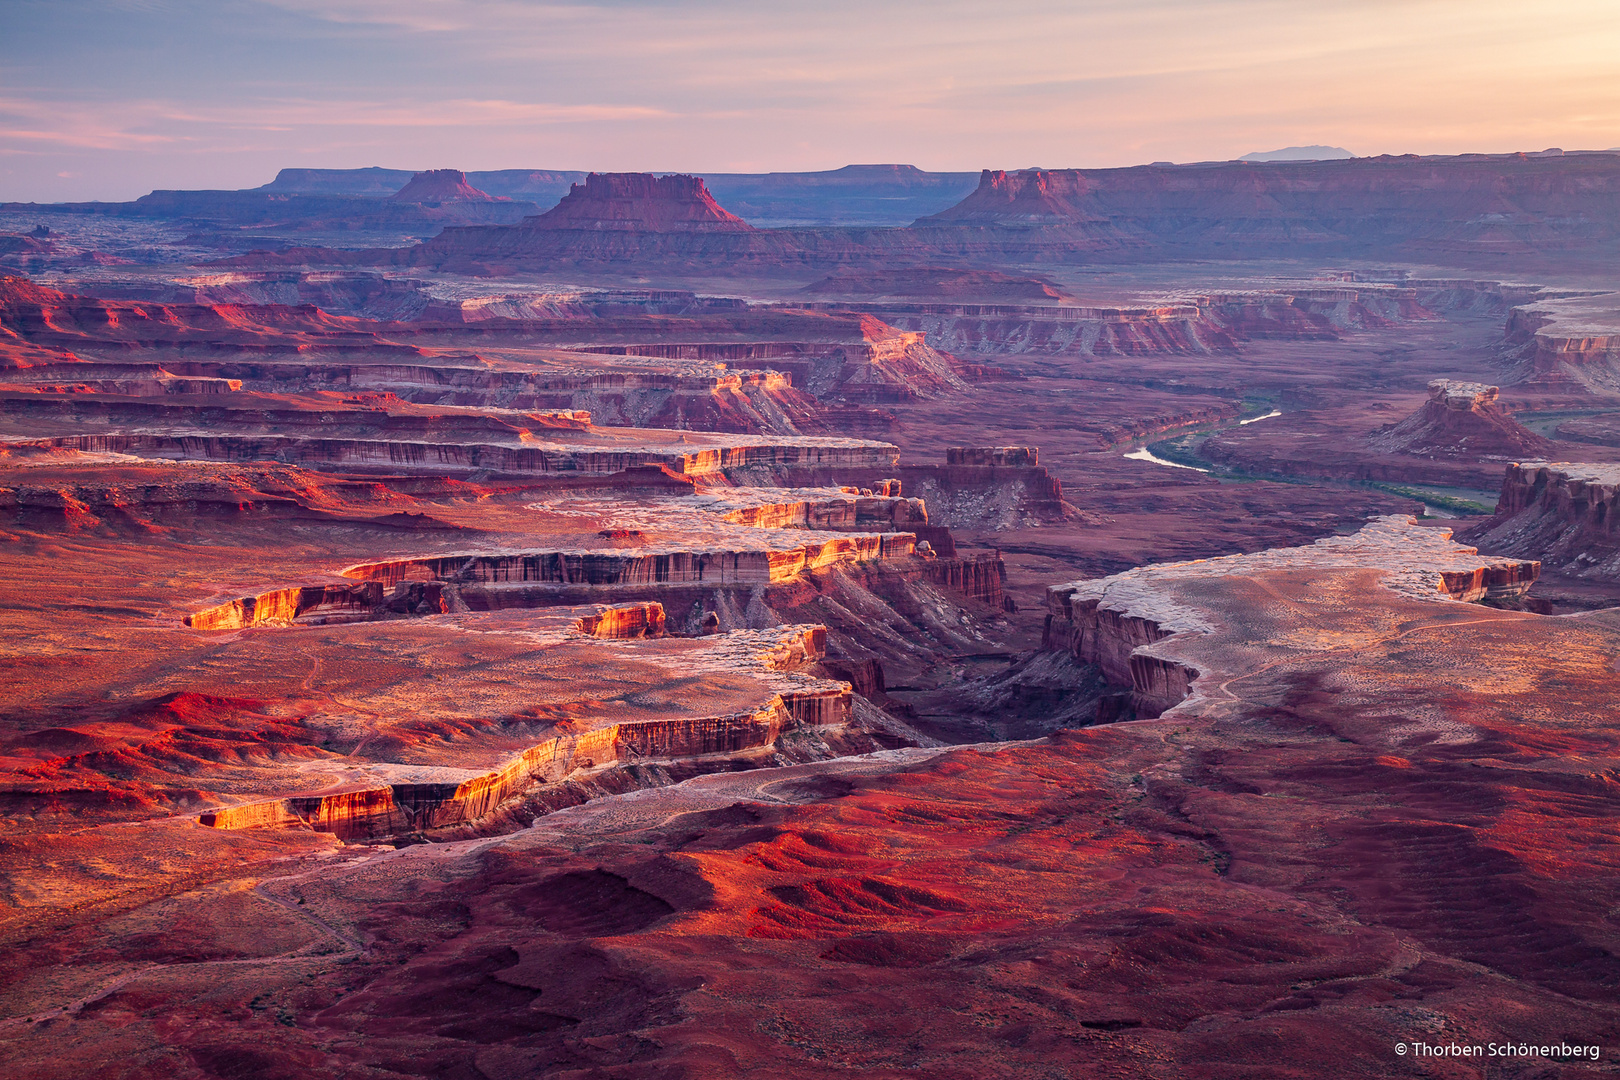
{"x":1131,"y":625}
{"x":640,"y":202}
{"x":440,"y":186}
{"x":1460,"y":419}
{"x":781,"y":657}
{"x":1005,"y":456}
{"x":1566,"y":514}
{"x":1443,"y":204}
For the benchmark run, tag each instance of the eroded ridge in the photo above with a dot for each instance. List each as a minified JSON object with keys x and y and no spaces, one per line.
{"x":1131,"y":624}
{"x":774,"y":658}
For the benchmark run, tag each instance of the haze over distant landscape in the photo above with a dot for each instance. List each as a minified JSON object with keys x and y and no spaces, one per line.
{"x":107,"y":99}
{"x":658,"y":540}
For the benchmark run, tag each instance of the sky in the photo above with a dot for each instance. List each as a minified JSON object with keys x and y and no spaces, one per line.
{"x":109,"y":99}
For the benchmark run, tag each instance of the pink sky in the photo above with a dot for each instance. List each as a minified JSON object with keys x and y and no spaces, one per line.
{"x":111,"y":98}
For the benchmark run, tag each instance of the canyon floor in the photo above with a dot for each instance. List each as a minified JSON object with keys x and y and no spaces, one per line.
{"x":659,"y":673}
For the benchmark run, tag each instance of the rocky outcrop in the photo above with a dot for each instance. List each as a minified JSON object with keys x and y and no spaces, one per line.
{"x":848,"y":509}
{"x":1017,"y":457}
{"x":433,"y":456}
{"x":1564,"y":514}
{"x":283,"y":607}
{"x":1460,"y":419}
{"x":629,"y":621}
{"x":982,"y":577}
{"x":1024,"y":198}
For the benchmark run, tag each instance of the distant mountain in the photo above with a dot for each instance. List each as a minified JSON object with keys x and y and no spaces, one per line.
{"x":1299,"y":153}
{"x":859,"y":195}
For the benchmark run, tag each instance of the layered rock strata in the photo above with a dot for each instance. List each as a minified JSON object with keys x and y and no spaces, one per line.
{"x":802,"y":701}
{"x":1567,"y":341}
{"x":1565,"y":514}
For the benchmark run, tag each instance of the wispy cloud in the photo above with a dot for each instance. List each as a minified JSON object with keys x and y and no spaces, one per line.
{"x":723,"y":84}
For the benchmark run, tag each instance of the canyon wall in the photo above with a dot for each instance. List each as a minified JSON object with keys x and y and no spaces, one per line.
{"x":758,"y":566}
{"x":1567,"y":515}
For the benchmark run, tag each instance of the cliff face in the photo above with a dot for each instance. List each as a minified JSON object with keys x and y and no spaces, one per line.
{"x":629,"y":621}
{"x":1566,"y":515}
{"x":1565,"y":342}
{"x":635,"y":568}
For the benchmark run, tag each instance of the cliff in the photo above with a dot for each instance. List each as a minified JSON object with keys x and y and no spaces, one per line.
{"x":1565,"y":515}
{"x":1564,"y":342}
{"x":802,"y":701}
{"x":761,"y":565}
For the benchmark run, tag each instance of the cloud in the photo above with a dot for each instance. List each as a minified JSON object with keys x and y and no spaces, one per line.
{"x":725,"y":84}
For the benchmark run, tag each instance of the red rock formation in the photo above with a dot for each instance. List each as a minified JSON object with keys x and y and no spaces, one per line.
{"x":440,"y":186}
{"x":630,"y":621}
{"x":639,"y":202}
{"x":1565,"y":515}
{"x":1029,"y":197}
{"x":1461,"y":419}
{"x":759,"y":566}
{"x":306,"y":603}
{"x":407,"y":807}
{"x":1560,"y":343}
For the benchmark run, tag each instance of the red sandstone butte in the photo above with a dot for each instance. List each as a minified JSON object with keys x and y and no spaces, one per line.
{"x":440,"y":185}
{"x":640,"y":201}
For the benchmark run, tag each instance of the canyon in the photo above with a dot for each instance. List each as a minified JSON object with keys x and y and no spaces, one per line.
{"x":1150,"y":622}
